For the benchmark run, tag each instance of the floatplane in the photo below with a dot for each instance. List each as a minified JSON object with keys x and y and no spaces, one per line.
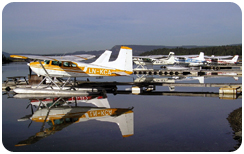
{"x":222,"y":59}
{"x":172,"y":61}
{"x":71,"y":66}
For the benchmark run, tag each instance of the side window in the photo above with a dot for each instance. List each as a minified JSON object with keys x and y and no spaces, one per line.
{"x":73,"y":65}
{"x":58,"y":63}
{"x":66,"y":64}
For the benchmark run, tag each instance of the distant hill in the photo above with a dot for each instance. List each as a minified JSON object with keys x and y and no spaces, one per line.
{"x":5,"y":54}
{"x":214,"y":50}
{"x":137,"y":49}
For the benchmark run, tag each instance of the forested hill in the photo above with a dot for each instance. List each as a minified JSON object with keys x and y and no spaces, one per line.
{"x":216,"y":50}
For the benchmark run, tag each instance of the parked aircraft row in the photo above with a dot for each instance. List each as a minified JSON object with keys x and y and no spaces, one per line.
{"x":70,"y":66}
{"x":188,"y":60}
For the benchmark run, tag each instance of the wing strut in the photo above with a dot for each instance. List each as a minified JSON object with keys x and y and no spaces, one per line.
{"x":47,"y":76}
{"x":49,"y":108}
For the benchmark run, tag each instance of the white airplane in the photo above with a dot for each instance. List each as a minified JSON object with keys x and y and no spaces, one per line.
{"x":154,"y":59}
{"x":191,"y":60}
{"x":222,"y":59}
{"x":69,"y":66}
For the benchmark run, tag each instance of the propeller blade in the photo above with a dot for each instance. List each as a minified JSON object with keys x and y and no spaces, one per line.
{"x":30,"y":71}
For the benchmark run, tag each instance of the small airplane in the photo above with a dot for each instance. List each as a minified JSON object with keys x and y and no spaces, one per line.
{"x":191,"y":60}
{"x":154,"y":59}
{"x":222,"y":59}
{"x":70,"y":66}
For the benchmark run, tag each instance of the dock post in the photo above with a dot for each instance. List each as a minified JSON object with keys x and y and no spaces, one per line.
{"x":136,"y":90}
{"x":229,"y":92}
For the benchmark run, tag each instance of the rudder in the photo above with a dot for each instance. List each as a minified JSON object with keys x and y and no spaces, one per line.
{"x":124,"y":60}
{"x":235,"y":58}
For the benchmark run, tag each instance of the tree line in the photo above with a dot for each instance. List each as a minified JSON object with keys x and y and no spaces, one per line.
{"x":216,"y":50}
{"x":5,"y":59}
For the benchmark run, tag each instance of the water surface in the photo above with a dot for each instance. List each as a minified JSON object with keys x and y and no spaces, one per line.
{"x":161,"y":123}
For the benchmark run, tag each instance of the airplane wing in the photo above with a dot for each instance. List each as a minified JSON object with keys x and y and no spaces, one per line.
{"x":152,"y":56}
{"x":186,"y":56}
{"x":56,"y":58}
{"x":218,"y":57}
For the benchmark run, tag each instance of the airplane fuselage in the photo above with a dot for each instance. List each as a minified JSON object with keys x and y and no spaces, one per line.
{"x":190,"y":62}
{"x":73,"y":69}
{"x":218,"y":61}
{"x":154,"y":62}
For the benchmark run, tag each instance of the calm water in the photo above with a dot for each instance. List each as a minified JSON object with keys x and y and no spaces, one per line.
{"x":161,"y":123}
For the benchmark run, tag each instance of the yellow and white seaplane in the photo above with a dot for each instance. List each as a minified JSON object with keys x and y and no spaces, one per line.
{"x":70,"y":66}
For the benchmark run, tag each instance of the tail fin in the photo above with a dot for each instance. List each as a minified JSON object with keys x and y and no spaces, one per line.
{"x":123,"y":61}
{"x":201,"y":56}
{"x":104,"y":58}
{"x":235,"y":58}
{"x":171,"y":57}
{"x":200,"y":79}
{"x":171,"y":54}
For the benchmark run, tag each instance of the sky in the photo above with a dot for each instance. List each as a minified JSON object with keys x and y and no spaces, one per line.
{"x":44,"y":28}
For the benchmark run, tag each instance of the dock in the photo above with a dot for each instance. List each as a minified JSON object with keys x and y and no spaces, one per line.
{"x":21,"y":85}
{"x":236,"y":73}
{"x":215,"y":70}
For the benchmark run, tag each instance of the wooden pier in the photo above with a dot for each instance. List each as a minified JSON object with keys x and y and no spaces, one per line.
{"x":140,"y":87}
{"x":219,"y":70}
{"x":233,"y":73}
{"x":186,"y":94}
{"x":87,"y":84}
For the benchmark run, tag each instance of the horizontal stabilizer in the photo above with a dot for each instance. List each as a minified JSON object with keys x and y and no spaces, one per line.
{"x":120,"y":73}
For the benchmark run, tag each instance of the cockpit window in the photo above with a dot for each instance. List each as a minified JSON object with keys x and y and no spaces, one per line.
{"x":46,"y":61}
{"x":69,"y":64}
{"x":58,"y":63}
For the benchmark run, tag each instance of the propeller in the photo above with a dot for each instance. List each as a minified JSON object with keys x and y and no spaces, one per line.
{"x":30,"y":71}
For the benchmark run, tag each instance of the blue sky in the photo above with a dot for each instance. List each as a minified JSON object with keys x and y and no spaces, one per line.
{"x":69,"y":27}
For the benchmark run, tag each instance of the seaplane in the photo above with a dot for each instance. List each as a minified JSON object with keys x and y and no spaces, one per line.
{"x":71,"y":66}
{"x":221,"y":59}
{"x":142,"y":61}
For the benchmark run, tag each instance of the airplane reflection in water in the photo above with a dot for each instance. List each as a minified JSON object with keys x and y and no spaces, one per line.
{"x":99,"y":101}
{"x":151,"y":79}
{"x":61,"y":114}
{"x":145,"y":78}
